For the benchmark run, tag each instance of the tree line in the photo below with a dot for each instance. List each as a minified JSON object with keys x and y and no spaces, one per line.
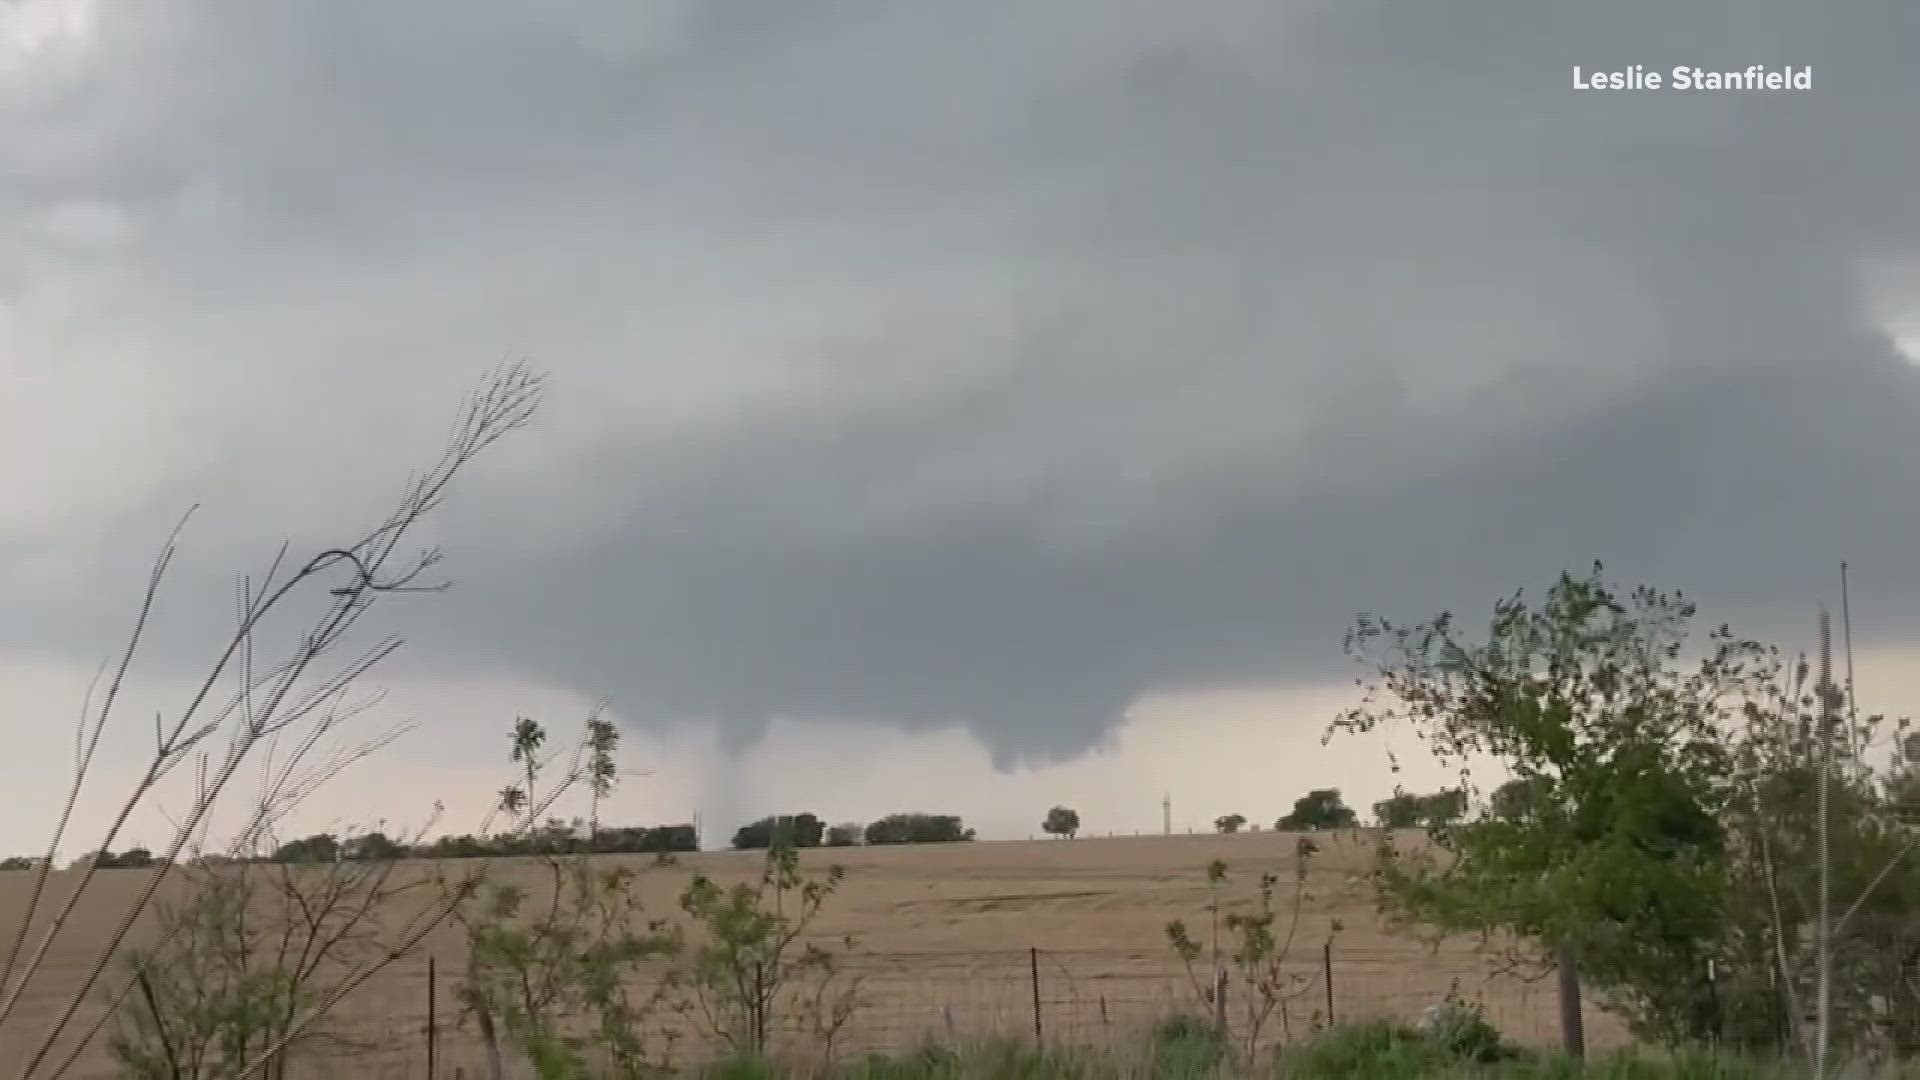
{"x":1325,"y":808}
{"x":554,"y":837}
{"x":809,"y":830}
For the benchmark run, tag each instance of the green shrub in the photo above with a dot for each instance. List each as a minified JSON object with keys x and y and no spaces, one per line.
{"x":1184,"y":1046}
{"x":1003,"y":1059}
{"x":1378,"y":1050}
{"x":1461,"y":1031}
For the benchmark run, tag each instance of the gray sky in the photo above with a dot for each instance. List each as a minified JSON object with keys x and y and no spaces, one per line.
{"x":924,"y":371}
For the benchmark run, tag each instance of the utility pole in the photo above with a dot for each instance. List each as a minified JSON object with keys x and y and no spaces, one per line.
{"x":1823,"y":1001}
{"x":1856,"y":739}
{"x":1166,"y":813}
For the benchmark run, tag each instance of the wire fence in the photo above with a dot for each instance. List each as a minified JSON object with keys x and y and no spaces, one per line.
{"x":1088,"y":997}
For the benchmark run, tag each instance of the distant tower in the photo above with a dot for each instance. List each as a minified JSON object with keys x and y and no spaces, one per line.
{"x":696,"y":831}
{"x":1166,"y":813}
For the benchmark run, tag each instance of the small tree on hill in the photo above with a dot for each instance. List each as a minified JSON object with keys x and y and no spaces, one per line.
{"x":1062,"y":821}
{"x":1321,"y":808}
{"x":1229,"y":823}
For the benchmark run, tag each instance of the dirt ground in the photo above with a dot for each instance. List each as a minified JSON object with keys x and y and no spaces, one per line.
{"x":948,"y":941}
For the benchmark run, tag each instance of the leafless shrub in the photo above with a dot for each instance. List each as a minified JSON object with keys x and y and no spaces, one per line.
{"x":254,"y":705}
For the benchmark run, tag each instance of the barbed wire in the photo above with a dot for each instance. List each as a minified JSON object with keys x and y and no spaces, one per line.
{"x":1088,"y":995}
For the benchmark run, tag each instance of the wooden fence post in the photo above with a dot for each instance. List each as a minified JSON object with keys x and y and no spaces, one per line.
{"x":1220,"y":1004}
{"x":1573,"y":1031}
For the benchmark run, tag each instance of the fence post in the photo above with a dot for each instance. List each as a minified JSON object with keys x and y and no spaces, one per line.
{"x":1326,"y":972}
{"x":1220,"y":1003}
{"x":1033,"y":964}
{"x":1573,"y":1033}
{"x":433,"y":1026}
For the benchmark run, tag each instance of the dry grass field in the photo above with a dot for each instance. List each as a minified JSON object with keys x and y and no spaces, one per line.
{"x":943,"y":937}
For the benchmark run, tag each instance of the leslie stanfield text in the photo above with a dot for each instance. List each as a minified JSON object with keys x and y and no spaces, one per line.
{"x":1686,"y":77}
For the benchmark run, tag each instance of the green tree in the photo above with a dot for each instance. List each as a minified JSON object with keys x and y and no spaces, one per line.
{"x":804,"y":830}
{"x":918,"y":829}
{"x":1229,"y":823}
{"x":375,"y":845}
{"x":1443,"y":807}
{"x":1512,"y":801}
{"x":550,"y":970}
{"x":1401,"y":810}
{"x":1321,"y":808}
{"x":1621,"y":861}
{"x":1778,"y":838}
{"x":756,"y":956}
{"x":1259,"y":938}
{"x":1062,"y":821}
{"x":318,"y":848}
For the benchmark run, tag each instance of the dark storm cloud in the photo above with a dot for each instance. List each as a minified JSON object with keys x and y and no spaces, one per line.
{"x":1000,"y":364}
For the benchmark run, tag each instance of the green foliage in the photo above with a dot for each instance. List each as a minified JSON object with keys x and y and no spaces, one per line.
{"x":551,"y":978}
{"x":1259,"y":942}
{"x":1178,"y":1050}
{"x":1768,"y":972}
{"x":375,"y":845}
{"x":993,"y":1059}
{"x":1186,"y":1045}
{"x":754,"y":957}
{"x":1321,"y":808}
{"x":1062,"y":821}
{"x":208,"y":1003}
{"x":918,"y":829}
{"x":249,"y":956}
{"x":134,"y":858}
{"x":799,"y":830}
{"x":563,"y":838}
{"x":1387,"y":1051}
{"x":1405,"y":810}
{"x":1459,"y":1029}
{"x":1229,"y":823}
{"x":1622,"y":855}
{"x":1378,"y":1049}
{"x":846,"y":834}
{"x":318,"y":848}
{"x":555,"y":984}
{"x":1514,"y":800}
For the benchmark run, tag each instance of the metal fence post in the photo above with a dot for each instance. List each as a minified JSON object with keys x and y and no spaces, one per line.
{"x":1326,"y":972}
{"x":1033,"y":965}
{"x":433,"y":1025}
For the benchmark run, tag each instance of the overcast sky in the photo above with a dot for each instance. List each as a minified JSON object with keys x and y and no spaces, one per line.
{"x":986,"y":404}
